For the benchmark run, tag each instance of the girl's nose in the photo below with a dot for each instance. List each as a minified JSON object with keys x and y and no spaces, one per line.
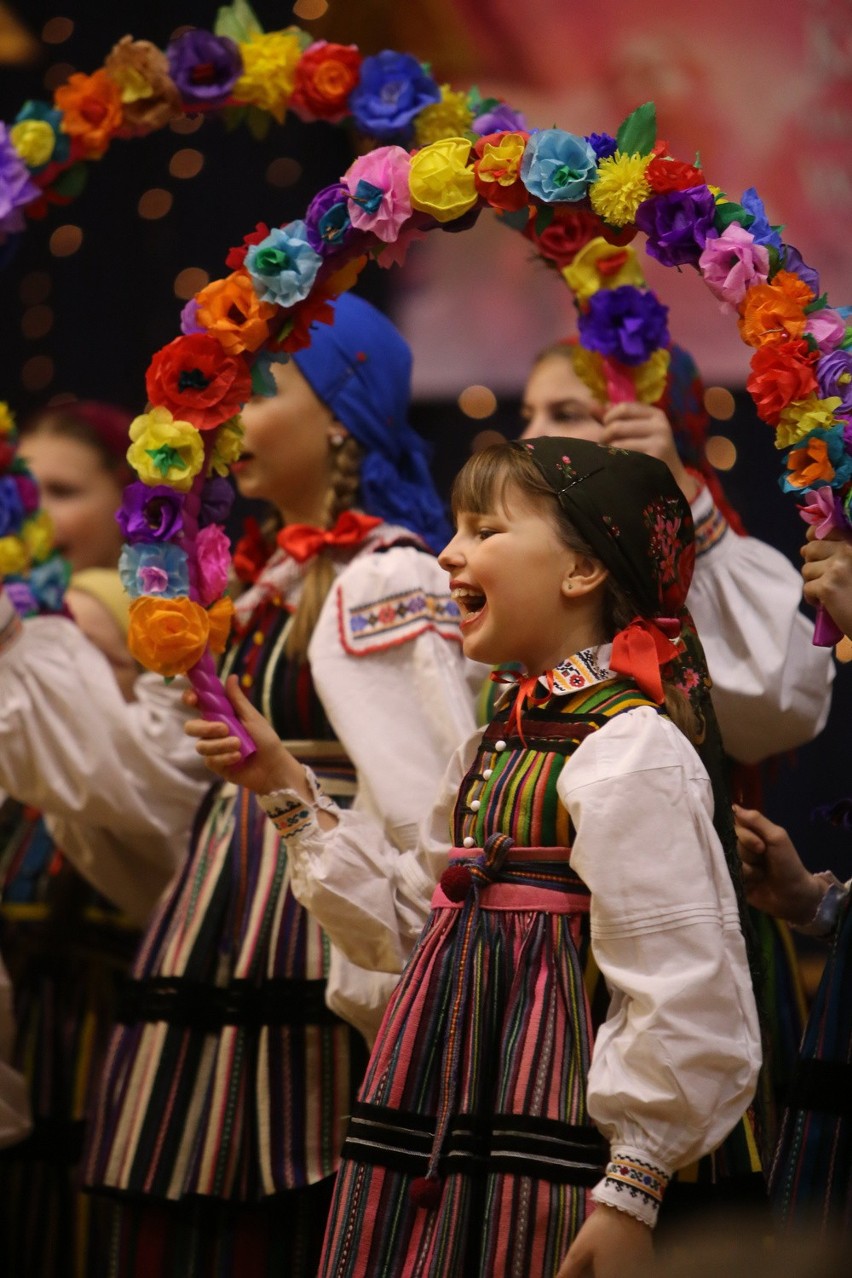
{"x":451,"y":556}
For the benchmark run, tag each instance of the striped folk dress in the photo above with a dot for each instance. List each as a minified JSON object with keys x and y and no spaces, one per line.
{"x":227,"y":1085}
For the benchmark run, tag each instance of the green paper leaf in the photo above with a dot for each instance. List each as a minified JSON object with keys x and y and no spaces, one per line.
{"x":725,"y":214}
{"x":543,"y":218}
{"x":232,"y":117}
{"x":818,"y":304}
{"x":258,"y":385}
{"x":638,"y":133}
{"x":846,"y":344}
{"x":70,"y":183}
{"x":258,"y":123}
{"x":517,"y":220}
{"x":774,"y":261}
{"x":810,"y":341}
{"x":237,"y":20}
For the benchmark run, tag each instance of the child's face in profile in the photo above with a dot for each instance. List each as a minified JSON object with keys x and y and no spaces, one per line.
{"x":508,"y":571}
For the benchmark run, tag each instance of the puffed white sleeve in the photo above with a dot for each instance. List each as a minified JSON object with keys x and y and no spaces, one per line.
{"x":118,"y":782}
{"x":771,"y":685}
{"x":675,"y":1064}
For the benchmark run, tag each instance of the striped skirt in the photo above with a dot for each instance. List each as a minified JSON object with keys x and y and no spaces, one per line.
{"x":811,"y":1180}
{"x":470,"y":1152}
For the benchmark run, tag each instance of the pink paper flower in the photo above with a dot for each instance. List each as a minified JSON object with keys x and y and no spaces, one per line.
{"x":731,"y":263}
{"x":826,"y":327}
{"x":379,"y":200}
{"x":824,"y":511}
{"x":214,"y":560}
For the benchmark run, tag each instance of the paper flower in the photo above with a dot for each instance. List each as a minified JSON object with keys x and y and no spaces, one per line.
{"x":11,"y":506}
{"x":823,"y":510}
{"x":204,"y":67}
{"x":795,"y":263}
{"x":497,"y":170}
{"x":393,"y":89}
{"x":802,"y":418}
{"x":165,"y":451}
{"x":834,"y":374}
{"x":325,"y":77}
{"x":227,"y":446}
{"x":295,"y":334}
{"x":602,"y":265}
{"x":603,"y":145}
{"x":269,"y":71}
{"x":168,"y":636}
{"x":284,"y":266}
{"x":197,"y":381}
{"x":327,"y":220}
{"x":232,"y":312}
{"x":448,"y":118}
{"x":731,"y":263}
{"x":781,"y":373}
{"x":624,"y":324}
{"x":154,"y":570}
{"x":760,"y":228}
{"x":439,"y":180}
{"x":827,"y":328}
{"x":217,"y":498}
{"x":379,"y":199}
{"x":649,"y":379}
{"x":563,"y":237}
{"x":677,"y":224}
{"x":219,"y":617}
{"x":664,"y":173}
{"x":237,"y":256}
{"x":34,"y":136}
{"x":768,"y":314}
{"x":149,"y":95}
{"x":620,"y":187}
{"x":16,"y":189}
{"x":150,"y":513}
{"x":27,"y":492}
{"x":13,"y":556}
{"x":497,"y":117}
{"x":213,"y":551}
{"x":557,"y":166}
{"x":91,"y":111}
{"x":37,"y":534}
{"x":821,"y":459}
{"x":49,"y":581}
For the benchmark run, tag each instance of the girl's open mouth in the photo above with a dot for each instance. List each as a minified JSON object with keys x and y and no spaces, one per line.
{"x":471,"y":602}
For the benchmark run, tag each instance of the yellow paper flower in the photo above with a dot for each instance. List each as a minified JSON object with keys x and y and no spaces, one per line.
{"x":38,"y":536}
{"x":7,"y":419}
{"x":588,"y":365}
{"x":165,"y":451}
{"x":228,"y":445}
{"x":439,"y":180}
{"x":650,"y":378}
{"x":34,"y":140}
{"x":13,"y":556}
{"x":799,"y":419}
{"x":269,"y":71}
{"x":620,"y":188}
{"x":445,"y":119}
{"x":600,"y":264}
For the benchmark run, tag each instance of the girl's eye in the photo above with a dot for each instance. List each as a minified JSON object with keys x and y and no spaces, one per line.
{"x":484,"y":533}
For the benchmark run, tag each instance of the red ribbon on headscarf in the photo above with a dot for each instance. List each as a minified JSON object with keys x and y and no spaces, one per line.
{"x":303,"y":541}
{"x":641,"y":648}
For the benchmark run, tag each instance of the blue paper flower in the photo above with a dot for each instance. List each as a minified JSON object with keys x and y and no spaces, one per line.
{"x":11,"y":506}
{"x":603,"y":145}
{"x":761,"y":230}
{"x":499,"y":118}
{"x":392,"y":90}
{"x":624,"y":324}
{"x":283,"y":267}
{"x":154,"y":570}
{"x":48,"y":582}
{"x":557,"y":167}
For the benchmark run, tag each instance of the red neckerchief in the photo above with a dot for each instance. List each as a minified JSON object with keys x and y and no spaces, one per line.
{"x":526,"y":686}
{"x":641,"y":648}
{"x":303,"y":541}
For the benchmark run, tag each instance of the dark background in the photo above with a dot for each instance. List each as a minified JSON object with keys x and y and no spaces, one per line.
{"x":113,"y":305}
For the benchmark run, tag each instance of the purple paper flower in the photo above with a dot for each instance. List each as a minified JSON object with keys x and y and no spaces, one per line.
{"x":603,"y":145}
{"x":794,"y":262}
{"x":16,"y":189}
{"x":189,"y":318}
{"x":834,"y":377}
{"x":823,"y":509}
{"x":217,"y":498}
{"x":677,"y":224}
{"x":11,"y":507}
{"x":23,"y":600}
{"x":150,"y":513}
{"x":760,"y":228}
{"x":499,"y":119}
{"x":327,"y":219}
{"x":624,"y":324}
{"x":392,"y":90}
{"x":154,"y":570}
{"x":28,"y":493}
{"x":205,"y":67}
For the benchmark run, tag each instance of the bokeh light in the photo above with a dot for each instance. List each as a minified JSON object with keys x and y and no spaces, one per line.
{"x":283,"y":171}
{"x":186,"y":123}
{"x":36,"y":322}
{"x":65,"y":240}
{"x":35,"y":288}
{"x":485,"y":438}
{"x":477,"y":401}
{"x":189,"y":281}
{"x":57,"y":30}
{"x":155,"y":203}
{"x":57,"y":74}
{"x":37,"y":372}
{"x":719,"y":403}
{"x":187,"y":163}
{"x":307,"y":10}
{"x":721,"y":452}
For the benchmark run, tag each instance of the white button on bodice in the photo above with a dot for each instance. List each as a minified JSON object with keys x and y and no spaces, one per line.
{"x":488,"y":774}
{"x":468,"y":842}
{"x":499,"y":745}
{"x":475,"y":805}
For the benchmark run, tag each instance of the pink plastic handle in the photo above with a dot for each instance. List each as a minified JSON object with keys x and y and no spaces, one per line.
{"x":826,"y":632}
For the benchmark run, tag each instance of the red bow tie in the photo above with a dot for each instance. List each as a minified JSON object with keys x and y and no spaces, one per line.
{"x":303,"y":541}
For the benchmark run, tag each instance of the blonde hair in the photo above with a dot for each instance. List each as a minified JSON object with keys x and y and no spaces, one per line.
{"x":342,"y":494}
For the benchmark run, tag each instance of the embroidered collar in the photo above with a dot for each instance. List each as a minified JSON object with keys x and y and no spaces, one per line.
{"x":581,"y":670}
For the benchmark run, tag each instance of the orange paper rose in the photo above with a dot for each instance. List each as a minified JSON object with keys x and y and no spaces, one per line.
{"x":168,"y":636}
{"x":769,"y":314}
{"x":809,"y":464}
{"x":781,"y":372}
{"x":232,"y":312}
{"x":326,"y":75}
{"x":91,"y":111}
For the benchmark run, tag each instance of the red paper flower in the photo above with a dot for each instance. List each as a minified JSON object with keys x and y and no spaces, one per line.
{"x":237,"y":256}
{"x":667,"y":174}
{"x":325,"y":76}
{"x":780,"y":374}
{"x":197,"y":381}
{"x":316,"y":308}
{"x":569,"y":231}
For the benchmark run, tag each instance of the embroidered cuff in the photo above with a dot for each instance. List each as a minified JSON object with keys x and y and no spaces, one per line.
{"x":10,"y":622}
{"x":709,"y":530}
{"x":291,"y":814}
{"x":632,"y":1184}
{"x":827,"y":913}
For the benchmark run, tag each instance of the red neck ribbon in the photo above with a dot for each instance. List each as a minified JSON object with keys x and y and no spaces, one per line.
{"x":641,"y":648}
{"x":303,"y":541}
{"x":526,"y":687}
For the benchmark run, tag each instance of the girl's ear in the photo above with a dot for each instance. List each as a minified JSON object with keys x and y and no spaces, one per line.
{"x":583,"y":576}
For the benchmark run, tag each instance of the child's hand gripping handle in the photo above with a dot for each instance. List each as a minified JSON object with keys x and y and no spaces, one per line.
{"x":214,"y":704}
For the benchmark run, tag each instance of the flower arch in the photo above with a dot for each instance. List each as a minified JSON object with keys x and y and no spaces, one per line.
{"x":433,"y":158}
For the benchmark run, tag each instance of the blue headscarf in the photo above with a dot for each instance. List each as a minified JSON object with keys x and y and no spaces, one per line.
{"x":360,"y":367}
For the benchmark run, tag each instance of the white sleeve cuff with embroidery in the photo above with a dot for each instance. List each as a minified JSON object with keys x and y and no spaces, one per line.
{"x":633,"y":1184}
{"x":291,"y":814}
